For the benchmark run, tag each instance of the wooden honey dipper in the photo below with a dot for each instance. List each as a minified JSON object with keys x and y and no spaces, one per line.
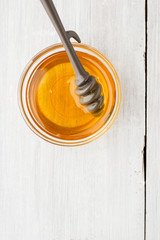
{"x":88,"y":88}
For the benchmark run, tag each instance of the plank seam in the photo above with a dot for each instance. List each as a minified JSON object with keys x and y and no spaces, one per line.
{"x":145,"y":137}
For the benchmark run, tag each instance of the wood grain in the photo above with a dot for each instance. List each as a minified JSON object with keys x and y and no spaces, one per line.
{"x":153,"y":142}
{"x":84,"y":193}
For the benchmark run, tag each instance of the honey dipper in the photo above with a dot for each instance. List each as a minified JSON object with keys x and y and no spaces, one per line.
{"x":88,"y":88}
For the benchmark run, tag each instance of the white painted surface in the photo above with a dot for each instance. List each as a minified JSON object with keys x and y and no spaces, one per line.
{"x":153,"y":142}
{"x":91,"y":192}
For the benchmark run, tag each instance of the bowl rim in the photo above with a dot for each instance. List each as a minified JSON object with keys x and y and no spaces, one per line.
{"x":27,"y":115}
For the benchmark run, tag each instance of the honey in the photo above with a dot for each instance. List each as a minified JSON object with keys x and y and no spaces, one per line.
{"x":54,"y":103}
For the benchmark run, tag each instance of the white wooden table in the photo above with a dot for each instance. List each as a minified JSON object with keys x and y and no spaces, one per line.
{"x":96,"y":191}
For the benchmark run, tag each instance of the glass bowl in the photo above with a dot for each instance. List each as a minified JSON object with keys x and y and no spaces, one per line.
{"x":27,"y":79}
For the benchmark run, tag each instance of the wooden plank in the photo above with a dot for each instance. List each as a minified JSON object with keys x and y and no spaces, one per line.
{"x":153,"y":142}
{"x":88,"y":192}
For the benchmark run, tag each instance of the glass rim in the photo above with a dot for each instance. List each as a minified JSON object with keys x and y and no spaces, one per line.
{"x":27,"y":114}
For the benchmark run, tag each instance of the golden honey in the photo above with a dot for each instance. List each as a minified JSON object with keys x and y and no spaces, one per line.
{"x":53,"y":101}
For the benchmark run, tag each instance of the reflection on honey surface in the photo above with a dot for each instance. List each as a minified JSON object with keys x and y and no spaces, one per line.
{"x":54,"y":103}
